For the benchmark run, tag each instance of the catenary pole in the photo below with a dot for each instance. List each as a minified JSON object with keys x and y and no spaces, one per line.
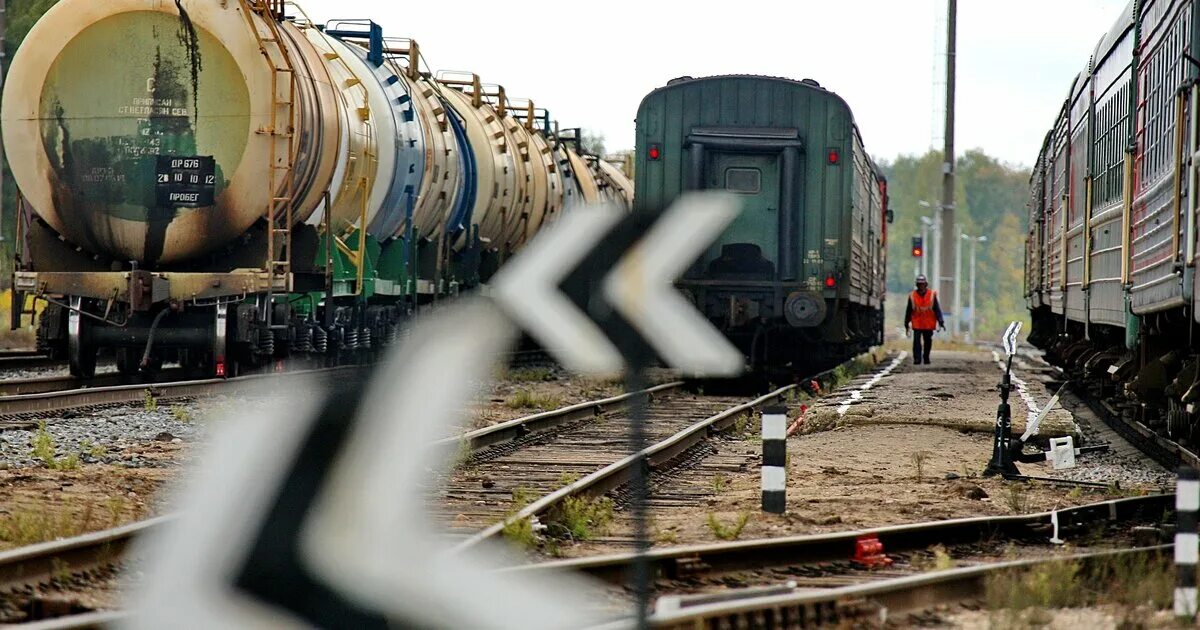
{"x":948,"y":232}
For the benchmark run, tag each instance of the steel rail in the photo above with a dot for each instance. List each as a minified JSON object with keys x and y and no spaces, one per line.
{"x":548,"y":420}
{"x":40,"y":563}
{"x":63,"y":400}
{"x":621,"y":471}
{"x":876,"y":600}
{"x":674,"y":562}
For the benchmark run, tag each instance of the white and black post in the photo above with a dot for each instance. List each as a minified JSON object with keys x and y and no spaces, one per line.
{"x":1187,"y":545}
{"x":774,"y":459}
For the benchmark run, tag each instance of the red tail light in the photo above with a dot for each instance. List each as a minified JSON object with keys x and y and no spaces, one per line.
{"x":830,"y":282}
{"x":220,"y":366}
{"x":833,"y":156}
{"x":654,"y":153}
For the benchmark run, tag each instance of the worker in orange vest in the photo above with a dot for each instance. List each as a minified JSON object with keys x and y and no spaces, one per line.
{"x":923,"y":315}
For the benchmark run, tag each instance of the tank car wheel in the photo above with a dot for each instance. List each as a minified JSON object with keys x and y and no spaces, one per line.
{"x":81,"y":355}
{"x":1177,"y":420}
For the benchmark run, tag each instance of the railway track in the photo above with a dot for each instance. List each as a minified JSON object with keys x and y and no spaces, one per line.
{"x":817,"y":561}
{"x":741,"y":583}
{"x":55,"y":395}
{"x":520,"y":480}
{"x":1160,"y":448}
{"x":25,"y":359}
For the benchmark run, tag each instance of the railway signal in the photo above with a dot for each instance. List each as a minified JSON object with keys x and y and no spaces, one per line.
{"x":918,"y":247}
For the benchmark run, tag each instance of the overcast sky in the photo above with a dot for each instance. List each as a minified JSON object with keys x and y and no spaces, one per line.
{"x":592,"y":62}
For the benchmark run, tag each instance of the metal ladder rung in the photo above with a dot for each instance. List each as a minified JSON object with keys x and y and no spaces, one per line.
{"x":281,"y":199}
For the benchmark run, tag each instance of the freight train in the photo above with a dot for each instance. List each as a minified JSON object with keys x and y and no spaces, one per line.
{"x":798,"y":280}
{"x":1111,"y":253}
{"x":224,"y":182}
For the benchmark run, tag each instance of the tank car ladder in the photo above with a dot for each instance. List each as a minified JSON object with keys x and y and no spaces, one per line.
{"x":281,"y":129}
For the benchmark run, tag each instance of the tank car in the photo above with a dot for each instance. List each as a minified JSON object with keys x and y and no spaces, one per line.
{"x":797,"y":281}
{"x":1110,"y":258}
{"x":241,"y":184}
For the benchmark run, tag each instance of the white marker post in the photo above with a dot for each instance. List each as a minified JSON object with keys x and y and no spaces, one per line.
{"x":1187,"y":545}
{"x":774,"y":459}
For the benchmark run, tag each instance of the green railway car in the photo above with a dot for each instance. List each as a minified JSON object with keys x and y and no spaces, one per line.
{"x":797,"y":281}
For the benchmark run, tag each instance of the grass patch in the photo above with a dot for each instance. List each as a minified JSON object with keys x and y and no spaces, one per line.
{"x":180,"y":414}
{"x":530,"y":375}
{"x":150,"y":403}
{"x":582,"y":518}
{"x":666,"y":537}
{"x":918,"y":460}
{"x":1136,"y":585}
{"x":526,"y":399}
{"x":1017,"y":498}
{"x":728,"y":531}
{"x":521,"y":532}
{"x":719,"y":483}
{"x":27,"y":527}
{"x":44,"y":450}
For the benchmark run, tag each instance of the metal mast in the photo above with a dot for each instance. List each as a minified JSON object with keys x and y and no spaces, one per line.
{"x":945,"y":268}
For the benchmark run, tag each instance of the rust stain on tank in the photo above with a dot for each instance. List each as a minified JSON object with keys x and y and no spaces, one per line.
{"x":191,"y":43}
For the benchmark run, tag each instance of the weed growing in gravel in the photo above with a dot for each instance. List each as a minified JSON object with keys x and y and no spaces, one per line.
{"x":581,"y":518}
{"x":520,"y":531}
{"x":941,"y":558}
{"x":740,"y":424}
{"x":462,"y":457}
{"x":531,"y":375}
{"x":730,"y":531}
{"x":181,"y":414}
{"x":116,"y":510}
{"x":44,"y":450}
{"x":27,"y":527}
{"x":719,"y":483}
{"x":918,"y":460}
{"x":1137,"y":584}
{"x":43,"y":444}
{"x":666,"y":537}
{"x":1017,"y":498}
{"x":567,"y":478}
{"x":526,"y":399}
{"x":150,"y":403}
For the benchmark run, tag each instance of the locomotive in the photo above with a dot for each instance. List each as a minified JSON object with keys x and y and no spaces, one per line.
{"x":797,"y":281}
{"x":1110,"y":256}
{"x":241,"y":184}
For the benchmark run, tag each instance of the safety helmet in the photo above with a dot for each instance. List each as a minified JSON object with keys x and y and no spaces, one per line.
{"x":921,"y":280}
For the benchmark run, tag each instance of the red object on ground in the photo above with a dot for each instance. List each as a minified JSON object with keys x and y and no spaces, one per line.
{"x":868,"y":552}
{"x":799,"y":422}
{"x":814,"y":387}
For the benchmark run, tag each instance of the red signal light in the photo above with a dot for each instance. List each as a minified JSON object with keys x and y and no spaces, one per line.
{"x":833,"y":156}
{"x":220,"y":367}
{"x":917,"y":253}
{"x":830,"y":282}
{"x":654,"y":153}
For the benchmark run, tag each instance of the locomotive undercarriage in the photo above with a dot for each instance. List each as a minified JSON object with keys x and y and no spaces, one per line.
{"x":147,"y":324}
{"x":1156,"y":384}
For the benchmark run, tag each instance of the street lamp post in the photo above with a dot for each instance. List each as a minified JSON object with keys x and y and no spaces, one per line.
{"x":926,"y":223}
{"x":935,"y":281}
{"x":974,"y":241}
{"x":956,"y":322}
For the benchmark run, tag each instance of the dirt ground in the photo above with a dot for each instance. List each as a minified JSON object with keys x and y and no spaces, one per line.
{"x":861,"y":470}
{"x":38,"y":504}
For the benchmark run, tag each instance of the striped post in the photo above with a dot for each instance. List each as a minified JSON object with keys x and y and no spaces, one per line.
{"x":1187,"y":545}
{"x":774,"y":459}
